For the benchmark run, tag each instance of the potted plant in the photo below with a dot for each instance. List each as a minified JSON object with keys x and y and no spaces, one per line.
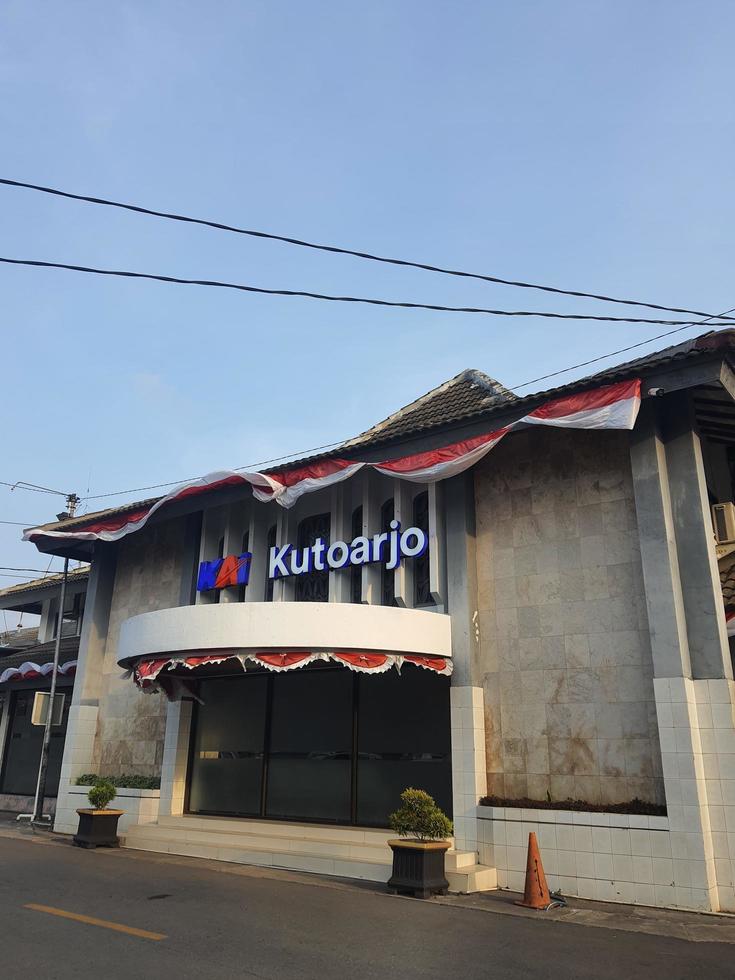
{"x":98,"y":825}
{"x":418,"y":858}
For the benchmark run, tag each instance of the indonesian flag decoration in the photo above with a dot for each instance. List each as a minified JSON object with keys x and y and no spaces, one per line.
{"x":612,"y":406}
{"x":29,"y":671}
{"x":730,"y":622}
{"x":148,"y":673}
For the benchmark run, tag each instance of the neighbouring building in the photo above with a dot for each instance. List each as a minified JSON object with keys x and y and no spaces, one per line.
{"x":484,"y":594}
{"x":26,"y":662}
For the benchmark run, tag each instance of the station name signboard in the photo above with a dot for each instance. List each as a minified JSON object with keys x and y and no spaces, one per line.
{"x":387,"y":548}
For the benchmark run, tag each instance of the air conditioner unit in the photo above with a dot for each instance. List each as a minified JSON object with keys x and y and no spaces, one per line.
{"x":723,"y":521}
{"x":40,"y":708}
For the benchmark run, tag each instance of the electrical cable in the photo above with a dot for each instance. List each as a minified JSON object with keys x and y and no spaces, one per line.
{"x":22,"y":485}
{"x":305,"y":294}
{"x":332,"y":445}
{"x":219,"y":226}
{"x":39,"y":571}
{"x":622,"y":350}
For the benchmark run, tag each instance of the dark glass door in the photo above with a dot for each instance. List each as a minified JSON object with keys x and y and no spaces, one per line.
{"x":227,"y":756}
{"x":23,"y":747}
{"x":403,"y":740}
{"x":320,"y":743}
{"x":310,"y":758}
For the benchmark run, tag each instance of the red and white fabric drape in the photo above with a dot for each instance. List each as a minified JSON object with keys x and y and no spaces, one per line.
{"x":610,"y":407}
{"x":28,"y":671}
{"x":148,"y":672}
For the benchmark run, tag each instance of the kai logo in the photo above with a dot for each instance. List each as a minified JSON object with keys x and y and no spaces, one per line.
{"x":233,"y":570}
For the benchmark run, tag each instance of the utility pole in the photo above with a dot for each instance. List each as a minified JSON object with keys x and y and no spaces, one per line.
{"x":37,"y":819}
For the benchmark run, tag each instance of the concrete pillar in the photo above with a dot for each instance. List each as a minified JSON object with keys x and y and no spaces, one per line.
{"x":82,"y":725}
{"x":469,"y":771}
{"x":700,"y":581}
{"x":695,"y":716}
{"x":175,"y":758}
{"x":659,"y":559}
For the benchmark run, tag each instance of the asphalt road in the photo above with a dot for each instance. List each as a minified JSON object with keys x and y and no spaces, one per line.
{"x":228,"y":925}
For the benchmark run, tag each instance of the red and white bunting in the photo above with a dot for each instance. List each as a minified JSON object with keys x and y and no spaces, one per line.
{"x":147,"y":673}
{"x":730,"y":622}
{"x":28,"y":671}
{"x":610,"y":407}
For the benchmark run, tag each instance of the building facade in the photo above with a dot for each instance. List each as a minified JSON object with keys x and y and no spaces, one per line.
{"x":26,"y":662}
{"x":481,"y":595}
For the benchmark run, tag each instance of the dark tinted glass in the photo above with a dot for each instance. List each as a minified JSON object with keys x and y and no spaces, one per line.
{"x":310,"y":764}
{"x":227,"y":760}
{"x":403,"y":740}
{"x":23,"y":747}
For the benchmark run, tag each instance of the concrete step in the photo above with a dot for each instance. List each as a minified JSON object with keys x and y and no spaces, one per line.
{"x":349,"y":852}
{"x":458,"y":860}
{"x":276,"y":828}
{"x":268,"y":853}
{"x":227,"y":838}
{"x":476,"y":878}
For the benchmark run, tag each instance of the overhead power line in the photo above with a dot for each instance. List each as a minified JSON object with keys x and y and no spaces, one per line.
{"x":10,"y":568}
{"x":37,"y":263}
{"x":19,"y":523}
{"x":333,"y":445}
{"x":621,"y":350}
{"x":335,"y":249}
{"x":22,"y":485}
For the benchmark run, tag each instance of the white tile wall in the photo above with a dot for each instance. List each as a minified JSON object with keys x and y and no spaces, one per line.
{"x":469,"y":771}
{"x":684,"y":860}
{"x":78,"y":759}
{"x":140,"y":806}
{"x":603,"y":856}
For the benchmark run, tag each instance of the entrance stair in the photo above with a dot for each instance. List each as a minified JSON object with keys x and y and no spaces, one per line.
{"x":345,"y":852}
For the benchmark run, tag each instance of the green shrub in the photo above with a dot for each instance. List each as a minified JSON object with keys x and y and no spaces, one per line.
{"x":420,"y":817}
{"x":102,"y":793}
{"x":122,"y":782}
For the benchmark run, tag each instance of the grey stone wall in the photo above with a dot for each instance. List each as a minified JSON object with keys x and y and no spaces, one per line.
{"x":565,"y":654}
{"x":131,"y":724}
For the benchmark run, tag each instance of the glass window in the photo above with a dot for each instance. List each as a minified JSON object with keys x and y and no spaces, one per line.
{"x":310,"y":764}
{"x":356,"y":570}
{"x":313,"y":586}
{"x":270,"y":542}
{"x":387,"y":575}
{"x":421,"y":584}
{"x":229,"y":740}
{"x":403,"y":740}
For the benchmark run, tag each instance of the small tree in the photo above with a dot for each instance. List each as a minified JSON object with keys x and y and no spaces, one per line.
{"x":420,"y":817}
{"x":102,"y":793}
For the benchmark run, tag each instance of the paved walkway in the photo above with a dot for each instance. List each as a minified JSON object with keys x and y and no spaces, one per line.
{"x":123,"y":913}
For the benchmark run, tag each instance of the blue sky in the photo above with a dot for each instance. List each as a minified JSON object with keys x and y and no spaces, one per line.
{"x":584,"y":144}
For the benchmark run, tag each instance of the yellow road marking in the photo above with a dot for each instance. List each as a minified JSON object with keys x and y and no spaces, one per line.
{"x":90,"y":921}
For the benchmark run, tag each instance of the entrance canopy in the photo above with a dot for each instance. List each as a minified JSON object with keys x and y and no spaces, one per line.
{"x":282,"y":636}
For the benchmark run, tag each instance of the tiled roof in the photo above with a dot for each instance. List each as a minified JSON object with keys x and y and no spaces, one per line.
{"x":75,"y":575}
{"x":466,"y":394}
{"x":470,"y":396}
{"x":18,"y":639}
{"x":42,"y":654}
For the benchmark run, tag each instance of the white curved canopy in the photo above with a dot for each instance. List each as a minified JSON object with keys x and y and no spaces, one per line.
{"x":277,"y":626}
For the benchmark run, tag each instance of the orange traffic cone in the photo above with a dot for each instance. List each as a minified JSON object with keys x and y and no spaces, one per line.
{"x":536,"y":893}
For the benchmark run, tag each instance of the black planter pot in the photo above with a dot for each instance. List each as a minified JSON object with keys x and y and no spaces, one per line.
{"x":418,"y":868}
{"x":98,"y":828}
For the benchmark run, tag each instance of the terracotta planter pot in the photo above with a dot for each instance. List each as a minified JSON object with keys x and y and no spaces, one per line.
{"x":418,"y":867}
{"x":98,"y":828}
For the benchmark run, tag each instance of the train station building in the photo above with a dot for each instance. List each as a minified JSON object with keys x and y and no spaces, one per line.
{"x":499,"y":598}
